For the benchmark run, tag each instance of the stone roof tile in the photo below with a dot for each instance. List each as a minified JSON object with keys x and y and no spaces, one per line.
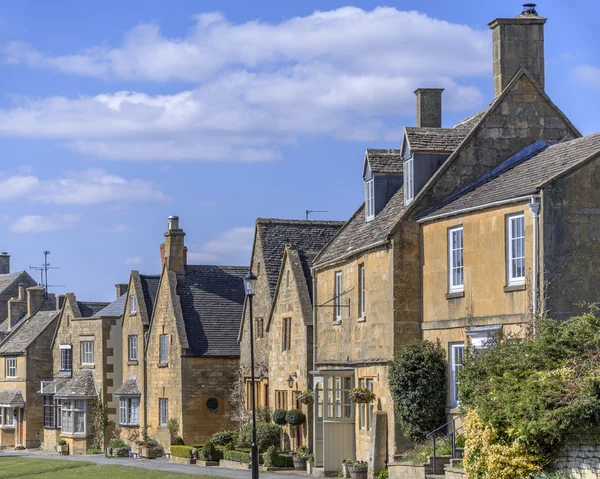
{"x":384,"y":161}
{"x":129,"y":388}
{"x":20,"y":338}
{"x":443,"y":140}
{"x":89,"y":309}
{"x":11,"y":398}
{"x":80,"y":386}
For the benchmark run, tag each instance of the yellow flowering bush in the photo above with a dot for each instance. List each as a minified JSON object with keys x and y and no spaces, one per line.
{"x":487,"y":456}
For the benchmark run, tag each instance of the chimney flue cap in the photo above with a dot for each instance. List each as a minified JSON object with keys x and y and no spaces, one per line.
{"x":529,"y":9}
{"x":173,"y":217}
{"x":173,"y":223}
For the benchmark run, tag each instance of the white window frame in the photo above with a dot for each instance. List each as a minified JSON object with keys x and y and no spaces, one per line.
{"x":7,"y":417}
{"x":457,"y":354}
{"x":339,"y":405}
{"x":74,"y":413}
{"x":515,"y":244}
{"x":163,"y":411}
{"x":129,"y":408}
{"x":132,"y":304}
{"x":132,"y":347}
{"x":362,"y":313}
{"x":456,"y":282}
{"x":87,"y":352}
{"x":370,"y":199}
{"x":409,"y":180}
{"x":163,"y":349}
{"x":337,"y":299}
{"x":11,"y":368}
{"x":63,"y":348}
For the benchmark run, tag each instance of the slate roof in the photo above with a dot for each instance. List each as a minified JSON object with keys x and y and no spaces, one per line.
{"x":114,"y":309}
{"x":129,"y":388}
{"x":469,"y":123}
{"x":357,"y":234}
{"x":443,"y":140}
{"x":20,"y":338}
{"x":212,"y":298}
{"x":88,"y":309}
{"x":520,"y":175}
{"x":384,"y":161}
{"x":11,"y":398}
{"x":150,"y":288}
{"x":307,"y":236}
{"x":7,"y":279}
{"x":81,"y":385}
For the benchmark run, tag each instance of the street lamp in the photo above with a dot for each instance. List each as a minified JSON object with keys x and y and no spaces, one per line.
{"x":250,"y":289}
{"x":290,"y":380}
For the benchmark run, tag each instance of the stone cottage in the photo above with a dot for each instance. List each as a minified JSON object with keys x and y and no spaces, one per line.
{"x":192,"y":354}
{"x":376,"y":260}
{"x":25,"y":359}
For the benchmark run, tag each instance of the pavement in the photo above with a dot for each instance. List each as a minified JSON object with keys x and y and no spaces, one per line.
{"x":159,"y":464}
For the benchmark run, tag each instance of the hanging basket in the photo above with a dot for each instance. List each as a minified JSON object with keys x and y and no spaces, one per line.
{"x":307,"y":397}
{"x":362,"y":395}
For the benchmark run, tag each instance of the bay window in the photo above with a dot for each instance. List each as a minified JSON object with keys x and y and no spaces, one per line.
{"x":129,"y":411}
{"x":74,"y":416}
{"x":52,"y":408}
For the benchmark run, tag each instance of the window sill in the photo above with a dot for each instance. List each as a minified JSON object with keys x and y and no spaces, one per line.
{"x":7,"y":428}
{"x":88,"y":366}
{"x":362,"y":319}
{"x":65,"y":374}
{"x":129,"y":425}
{"x":514,"y":287}
{"x":132,"y":362}
{"x":455,"y":294}
{"x":337,"y":323}
{"x":74,"y":435}
{"x":163,"y":365}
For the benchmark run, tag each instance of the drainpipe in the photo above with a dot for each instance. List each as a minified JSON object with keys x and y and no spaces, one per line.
{"x":534,"y":206}
{"x":314,"y":358}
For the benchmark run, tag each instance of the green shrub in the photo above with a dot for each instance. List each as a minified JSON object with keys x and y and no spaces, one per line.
{"x":419,"y":455}
{"x":239,"y":456}
{"x":210,"y":452}
{"x":540,"y":390}
{"x":181,"y":451}
{"x":223,"y":438}
{"x":383,"y":474}
{"x":178,"y":441}
{"x":263,"y":414}
{"x":303,"y":451}
{"x":117,"y":443}
{"x":267,"y":435}
{"x":417,"y":380}
{"x":228,"y":447}
{"x":61,"y":442}
{"x":278,"y":416}
{"x":270,"y":458}
{"x":295,"y":417}
{"x":94,"y":450}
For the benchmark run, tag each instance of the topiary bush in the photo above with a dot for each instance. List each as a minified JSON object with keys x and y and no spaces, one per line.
{"x":295,"y":417}
{"x":178,"y":441}
{"x":210,"y":452}
{"x":223,"y":438}
{"x":270,"y":458}
{"x":278,"y":417}
{"x":267,"y":435}
{"x":181,"y":451}
{"x":417,"y":380}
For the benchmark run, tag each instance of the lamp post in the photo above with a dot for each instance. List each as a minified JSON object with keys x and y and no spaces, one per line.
{"x":250,"y":288}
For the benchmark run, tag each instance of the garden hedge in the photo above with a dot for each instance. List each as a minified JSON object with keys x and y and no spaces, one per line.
{"x":267,"y":434}
{"x":181,"y":451}
{"x":239,"y":456}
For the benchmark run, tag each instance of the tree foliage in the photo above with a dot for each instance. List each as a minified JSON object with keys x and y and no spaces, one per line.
{"x":539,"y":391}
{"x":418,"y":387}
{"x":267,"y":435}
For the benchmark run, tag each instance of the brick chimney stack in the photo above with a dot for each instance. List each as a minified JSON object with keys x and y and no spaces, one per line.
{"x":429,"y":107}
{"x":35,"y":299}
{"x":174,"y":251}
{"x":121,"y":289}
{"x":518,"y":42}
{"x":4,"y":263}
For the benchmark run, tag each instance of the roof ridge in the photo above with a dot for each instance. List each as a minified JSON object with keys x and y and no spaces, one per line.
{"x":217,"y":266}
{"x":296,"y":222}
{"x":521,"y":156}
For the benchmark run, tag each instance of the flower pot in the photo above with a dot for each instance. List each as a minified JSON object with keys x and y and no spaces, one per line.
{"x":345,"y":471}
{"x":358,"y":472}
{"x":62,"y":450}
{"x":299,"y":463}
{"x":148,"y":452}
{"x":309,"y":466}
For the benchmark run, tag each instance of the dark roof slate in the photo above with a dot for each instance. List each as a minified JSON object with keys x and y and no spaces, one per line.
{"x":89,"y":309}
{"x":212,"y":298}
{"x":7,"y":279}
{"x":12,"y":398}
{"x":384,"y":161}
{"x":443,"y":140}
{"x":81,"y":385}
{"x":307,"y":236}
{"x":357,"y":234}
{"x":516,"y":178}
{"x":150,"y":289}
{"x":129,"y":388}
{"x":114,"y":309}
{"x":19,"y":339}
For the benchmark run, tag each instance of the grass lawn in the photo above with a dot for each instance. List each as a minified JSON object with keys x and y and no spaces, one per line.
{"x":54,"y":469}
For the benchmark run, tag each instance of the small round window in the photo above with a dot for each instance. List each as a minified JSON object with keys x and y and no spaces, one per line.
{"x":212,"y":404}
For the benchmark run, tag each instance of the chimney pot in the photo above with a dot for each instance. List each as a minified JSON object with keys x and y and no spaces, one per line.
{"x":4,"y":263}
{"x":174,"y":247}
{"x":429,"y":107}
{"x":21,"y":291}
{"x":173,"y":222}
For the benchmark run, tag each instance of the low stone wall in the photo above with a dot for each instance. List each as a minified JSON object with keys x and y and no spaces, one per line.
{"x":181,"y":460}
{"x":405,"y":470}
{"x":233,"y":464}
{"x":580,"y":459}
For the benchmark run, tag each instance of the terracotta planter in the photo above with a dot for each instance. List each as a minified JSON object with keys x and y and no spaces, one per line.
{"x":62,"y":450}
{"x":299,"y":463}
{"x":358,"y":472}
{"x":148,"y":452}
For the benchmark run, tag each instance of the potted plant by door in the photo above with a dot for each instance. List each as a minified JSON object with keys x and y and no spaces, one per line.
{"x":310,"y":463}
{"x":300,"y":457}
{"x":357,"y":469}
{"x":62,"y":447}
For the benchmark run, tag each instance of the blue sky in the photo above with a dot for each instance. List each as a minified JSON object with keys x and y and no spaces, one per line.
{"x":114,"y":115}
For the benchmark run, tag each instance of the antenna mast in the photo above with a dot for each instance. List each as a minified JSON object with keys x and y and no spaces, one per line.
{"x":43,"y":269}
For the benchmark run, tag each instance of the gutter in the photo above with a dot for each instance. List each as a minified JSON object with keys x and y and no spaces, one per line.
{"x":476,"y":208}
{"x":352,"y":253}
{"x":534,"y":206}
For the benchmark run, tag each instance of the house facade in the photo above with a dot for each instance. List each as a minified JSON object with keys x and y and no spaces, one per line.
{"x":192,"y":354}
{"x":25,"y":359}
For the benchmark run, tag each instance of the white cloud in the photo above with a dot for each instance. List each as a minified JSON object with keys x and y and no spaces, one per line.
{"x":80,"y":188}
{"x":133,"y":260}
{"x":255,"y":86}
{"x":231,"y":247}
{"x":43,"y":224}
{"x":587,"y":75}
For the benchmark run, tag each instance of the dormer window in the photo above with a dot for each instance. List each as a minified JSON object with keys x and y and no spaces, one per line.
{"x":370,"y":200}
{"x":409,"y":180}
